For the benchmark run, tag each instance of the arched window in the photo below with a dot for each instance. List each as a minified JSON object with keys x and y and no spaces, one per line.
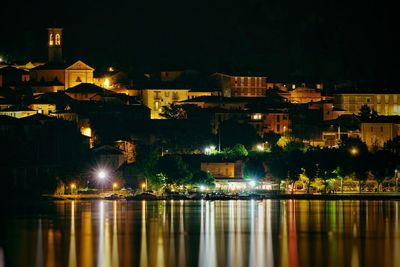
{"x":51,"y":42}
{"x":58,"y":39}
{"x":78,"y":79}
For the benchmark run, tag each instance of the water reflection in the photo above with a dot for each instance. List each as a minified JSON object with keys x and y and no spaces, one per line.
{"x":72,"y":244}
{"x":206,"y":233}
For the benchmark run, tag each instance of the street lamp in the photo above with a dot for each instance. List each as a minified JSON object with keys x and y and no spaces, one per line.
{"x":73,"y":186}
{"x":115,"y":185}
{"x":143,"y":186}
{"x":102,"y":175}
{"x":354,"y":151}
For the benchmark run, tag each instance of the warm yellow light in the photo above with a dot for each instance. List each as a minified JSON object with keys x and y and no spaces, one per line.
{"x":110,"y":69}
{"x":73,"y":186}
{"x":86,"y":131}
{"x":354,"y":151}
{"x":115,"y":185}
{"x":106,"y":83}
{"x":143,"y":185}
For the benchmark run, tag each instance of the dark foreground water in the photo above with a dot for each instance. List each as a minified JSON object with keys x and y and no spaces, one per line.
{"x":202,"y":233}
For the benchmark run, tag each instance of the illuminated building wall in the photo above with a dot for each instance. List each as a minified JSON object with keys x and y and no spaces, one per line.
{"x":45,"y":109}
{"x":236,"y":86}
{"x":304,"y":95}
{"x":68,"y":75}
{"x":54,"y":44}
{"x":223,"y":169}
{"x":273,"y":122}
{"x":375,"y":134}
{"x":155,"y":99}
{"x":18,"y":113}
{"x":384,"y":104}
{"x":219,"y":169}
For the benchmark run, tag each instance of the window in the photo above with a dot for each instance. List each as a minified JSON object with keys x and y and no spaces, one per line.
{"x":278,"y":118}
{"x":51,"y":42}
{"x":372,"y":129}
{"x":58,"y":39}
{"x":381,"y":129}
{"x":78,"y":79}
{"x":166,"y":93}
{"x":278,"y":128}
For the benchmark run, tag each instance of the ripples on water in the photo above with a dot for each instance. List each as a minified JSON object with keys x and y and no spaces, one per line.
{"x":203,"y":233}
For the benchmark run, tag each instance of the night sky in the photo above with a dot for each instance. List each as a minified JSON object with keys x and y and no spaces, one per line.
{"x":304,"y":40}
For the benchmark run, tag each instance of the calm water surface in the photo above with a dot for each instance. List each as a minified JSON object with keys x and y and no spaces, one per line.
{"x":202,"y":233}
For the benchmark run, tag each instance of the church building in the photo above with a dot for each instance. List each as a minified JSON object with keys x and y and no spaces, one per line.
{"x":56,"y":74}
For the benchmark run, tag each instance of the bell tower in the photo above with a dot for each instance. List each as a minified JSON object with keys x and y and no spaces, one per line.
{"x":54,"y":45}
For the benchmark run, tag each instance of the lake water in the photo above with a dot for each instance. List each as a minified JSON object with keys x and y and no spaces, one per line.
{"x":202,"y":233}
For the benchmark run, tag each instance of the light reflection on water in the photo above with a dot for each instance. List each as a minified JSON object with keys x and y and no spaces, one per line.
{"x":205,"y":234}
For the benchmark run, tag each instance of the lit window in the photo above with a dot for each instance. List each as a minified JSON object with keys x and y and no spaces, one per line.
{"x":58,"y":39}
{"x":51,"y":42}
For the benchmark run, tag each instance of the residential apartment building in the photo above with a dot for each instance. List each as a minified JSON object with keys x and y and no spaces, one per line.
{"x":241,"y":85}
{"x":156,"y":98}
{"x":376,"y":132}
{"x":387,"y":104}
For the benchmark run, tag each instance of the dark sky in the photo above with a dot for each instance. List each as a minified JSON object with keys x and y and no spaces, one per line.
{"x":309,"y":39}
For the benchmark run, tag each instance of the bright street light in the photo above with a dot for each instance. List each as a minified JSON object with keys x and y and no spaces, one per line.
{"x":252,"y":183}
{"x":102,"y":175}
{"x":143,"y":186}
{"x":115,"y":185}
{"x":73,"y":186}
{"x":354,"y":151}
{"x":202,"y":188}
{"x":260,"y":147}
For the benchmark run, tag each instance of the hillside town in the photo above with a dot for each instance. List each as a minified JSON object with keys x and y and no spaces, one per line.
{"x":67,"y":127}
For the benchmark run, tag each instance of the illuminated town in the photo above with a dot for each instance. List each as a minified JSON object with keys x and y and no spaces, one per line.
{"x":182,"y":133}
{"x":106,"y":163}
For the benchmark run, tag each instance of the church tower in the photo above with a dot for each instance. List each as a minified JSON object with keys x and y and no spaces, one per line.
{"x":55,"y":45}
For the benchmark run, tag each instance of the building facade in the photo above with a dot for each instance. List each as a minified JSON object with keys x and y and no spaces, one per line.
{"x":155,"y":99}
{"x":384,"y":103}
{"x":375,"y":133}
{"x":237,"y":85}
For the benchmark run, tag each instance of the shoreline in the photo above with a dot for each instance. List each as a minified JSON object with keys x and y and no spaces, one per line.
{"x":345,"y":196}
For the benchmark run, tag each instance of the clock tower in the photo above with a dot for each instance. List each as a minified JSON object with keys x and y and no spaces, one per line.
{"x":54,"y":45}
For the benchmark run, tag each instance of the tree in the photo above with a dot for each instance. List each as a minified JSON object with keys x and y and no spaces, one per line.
{"x":272,"y":138}
{"x":367,"y":113}
{"x":295,"y":167}
{"x":253,"y":169}
{"x":202,"y":178}
{"x":173,"y":111}
{"x":174,"y":169}
{"x":382,"y":166}
{"x":146,"y":161}
{"x":233,"y":133}
{"x":235,"y":152}
{"x":295,"y":145}
{"x":393,"y":146}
